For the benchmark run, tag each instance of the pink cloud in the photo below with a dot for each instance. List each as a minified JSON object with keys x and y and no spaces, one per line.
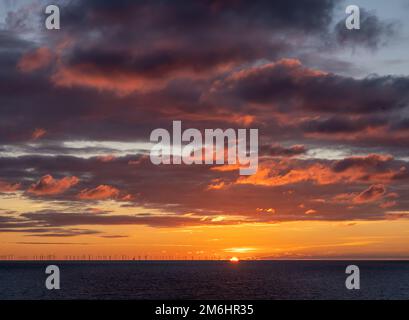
{"x":388,"y":204}
{"x":99,"y":193}
{"x":38,"y":59}
{"x":373,"y":193}
{"x":47,"y":185}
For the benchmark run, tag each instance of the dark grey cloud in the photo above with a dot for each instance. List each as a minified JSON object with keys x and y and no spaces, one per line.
{"x":378,"y":162}
{"x":114,"y":236}
{"x":181,"y":14}
{"x":280,"y":151}
{"x":61,"y":219}
{"x":342,"y":124}
{"x":373,"y":33}
{"x":52,"y":243}
{"x":292,"y":87}
{"x":187,"y":45}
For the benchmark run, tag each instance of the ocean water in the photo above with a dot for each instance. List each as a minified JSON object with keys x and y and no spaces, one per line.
{"x":205,"y":280}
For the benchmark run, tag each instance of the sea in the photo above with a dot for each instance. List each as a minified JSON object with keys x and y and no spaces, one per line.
{"x":204,"y":280}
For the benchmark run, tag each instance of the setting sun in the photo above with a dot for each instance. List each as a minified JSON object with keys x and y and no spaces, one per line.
{"x":234,"y":260}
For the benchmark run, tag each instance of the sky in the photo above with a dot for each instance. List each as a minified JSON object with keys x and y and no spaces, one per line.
{"x":78,"y":104}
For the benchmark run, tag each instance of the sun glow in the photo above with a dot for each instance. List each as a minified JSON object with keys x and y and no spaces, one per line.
{"x":234,"y":260}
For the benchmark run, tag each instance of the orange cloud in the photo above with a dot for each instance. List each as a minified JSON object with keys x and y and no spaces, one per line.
{"x":47,"y":185}
{"x":388,"y":204}
{"x":9,"y":187}
{"x":311,"y":211}
{"x":121,"y":81}
{"x":226,"y":167}
{"x":373,"y":193}
{"x":38,"y":59}
{"x":211,"y":115}
{"x":127,"y":197}
{"x":292,"y":66}
{"x":269,"y":176}
{"x":344,"y":197}
{"x":91,"y":77}
{"x":217,"y":184}
{"x":266,"y":210}
{"x":38,"y":133}
{"x":106,"y":158}
{"x":99,"y":193}
{"x":353,"y":169}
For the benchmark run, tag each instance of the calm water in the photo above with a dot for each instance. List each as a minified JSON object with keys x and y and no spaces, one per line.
{"x":205,"y":280}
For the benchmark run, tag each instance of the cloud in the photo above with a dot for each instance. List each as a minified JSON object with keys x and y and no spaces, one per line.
{"x":9,"y":187}
{"x":283,"y":184}
{"x":52,"y":243}
{"x":266,"y":210}
{"x":373,"y":32}
{"x":213,"y":64}
{"x":59,"y":219}
{"x":59,"y":233}
{"x":311,"y":211}
{"x":113,"y":236}
{"x":106,"y":158}
{"x":47,"y":185}
{"x":191,"y":83}
{"x":231,"y":34}
{"x":280,"y":151}
{"x":23,"y":18}
{"x":373,"y":193}
{"x":38,"y":133}
{"x":216,"y":184}
{"x":38,"y":59}
{"x":373,"y":160}
{"x":288,"y":86}
{"x":371,"y":168}
{"x":388,"y":204}
{"x":240,"y":250}
{"x":86,"y":76}
{"x":344,"y":127}
{"x":99,"y":193}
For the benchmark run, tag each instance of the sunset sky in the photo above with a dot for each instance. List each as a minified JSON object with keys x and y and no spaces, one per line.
{"x":77,"y":106}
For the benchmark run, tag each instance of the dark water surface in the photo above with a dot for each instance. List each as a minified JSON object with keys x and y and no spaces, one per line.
{"x":205,"y":280}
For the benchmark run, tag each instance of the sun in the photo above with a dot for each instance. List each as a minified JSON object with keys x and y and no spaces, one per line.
{"x":234,"y":260}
